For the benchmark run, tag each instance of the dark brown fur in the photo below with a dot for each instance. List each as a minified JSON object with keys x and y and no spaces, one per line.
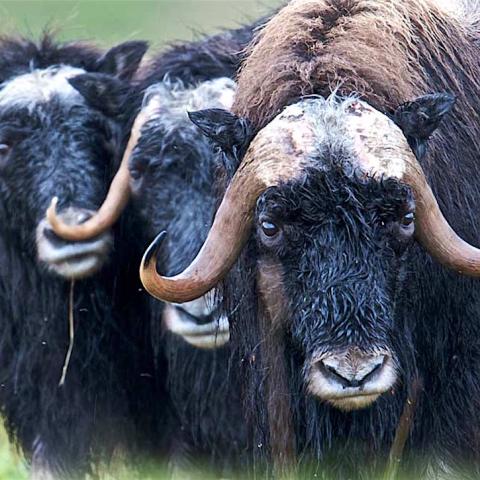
{"x":389,"y":52}
{"x":272,"y":305}
{"x":385,"y":50}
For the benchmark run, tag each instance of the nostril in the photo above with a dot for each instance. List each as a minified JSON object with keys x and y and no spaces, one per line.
{"x":352,"y":375}
{"x":375,"y":367}
{"x":332,"y":373}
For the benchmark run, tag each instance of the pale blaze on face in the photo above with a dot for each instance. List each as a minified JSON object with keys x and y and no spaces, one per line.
{"x":331,"y":246}
{"x":52,"y":144}
{"x":41,"y":86}
{"x":198,"y":322}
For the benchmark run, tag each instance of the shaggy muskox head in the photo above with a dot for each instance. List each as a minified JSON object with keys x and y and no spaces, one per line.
{"x":172,"y":173}
{"x":332,"y":195}
{"x":167,"y":166}
{"x":56,"y":140}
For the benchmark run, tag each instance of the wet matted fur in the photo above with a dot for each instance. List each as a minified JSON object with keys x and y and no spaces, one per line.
{"x":175,"y":178}
{"x":387,"y":52}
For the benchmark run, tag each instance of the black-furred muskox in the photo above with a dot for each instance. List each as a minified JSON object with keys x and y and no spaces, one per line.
{"x":348,"y":283}
{"x":54,"y":142}
{"x":172,"y":176}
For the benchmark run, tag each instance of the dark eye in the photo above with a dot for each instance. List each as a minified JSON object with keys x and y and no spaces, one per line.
{"x":407,"y":219}
{"x":269,"y":229}
{"x":136,"y":173}
{"x":4,"y":151}
{"x":139,"y":164}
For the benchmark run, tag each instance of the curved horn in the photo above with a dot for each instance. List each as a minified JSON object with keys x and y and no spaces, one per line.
{"x":276,"y":154}
{"x":116,"y":199}
{"x":280,"y":152}
{"x":434,"y":232}
{"x":392,"y":157}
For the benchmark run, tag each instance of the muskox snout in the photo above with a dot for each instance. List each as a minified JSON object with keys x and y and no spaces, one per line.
{"x":198,"y":323}
{"x":352,"y":373}
{"x":352,"y":379}
{"x":72,"y":260}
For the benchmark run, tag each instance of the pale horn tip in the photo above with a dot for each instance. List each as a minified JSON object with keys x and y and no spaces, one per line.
{"x":52,"y":211}
{"x":152,"y":251}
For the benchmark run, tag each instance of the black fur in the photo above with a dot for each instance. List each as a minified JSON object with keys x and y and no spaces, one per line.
{"x":21,"y":55}
{"x":352,"y":277}
{"x":207,"y":58}
{"x":102,"y":92}
{"x":123,"y":60}
{"x":72,"y":152}
{"x":229,"y":132}
{"x":419,"y":119}
{"x":198,"y":61}
{"x":174,"y":172}
{"x":174,"y":175}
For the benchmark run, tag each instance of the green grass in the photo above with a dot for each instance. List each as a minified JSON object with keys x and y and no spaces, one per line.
{"x":12,"y":466}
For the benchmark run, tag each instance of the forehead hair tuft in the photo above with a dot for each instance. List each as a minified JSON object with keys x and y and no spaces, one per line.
{"x":175,"y":100}
{"x":41,"y":86}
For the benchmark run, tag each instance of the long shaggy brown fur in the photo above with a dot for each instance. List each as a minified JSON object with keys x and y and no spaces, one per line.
{"x":385,"y":50}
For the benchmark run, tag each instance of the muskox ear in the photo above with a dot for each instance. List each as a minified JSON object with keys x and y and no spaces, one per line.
{"x":420,"y":118}
{"x":123,"y":60}
{"x":102,"y":92}
{"x":231,"y":133}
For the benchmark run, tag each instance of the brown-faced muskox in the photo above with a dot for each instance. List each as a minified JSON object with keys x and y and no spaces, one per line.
{"x":53,"y":142}
{"x":348,"y":283}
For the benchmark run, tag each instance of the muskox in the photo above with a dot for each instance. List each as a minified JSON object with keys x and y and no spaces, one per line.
{"x":344,"y":279}
{"x":172,"y":175}
{"x":57,"y":140}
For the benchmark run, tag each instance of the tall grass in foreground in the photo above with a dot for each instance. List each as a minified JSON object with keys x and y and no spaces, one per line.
{"x":12,"y":467}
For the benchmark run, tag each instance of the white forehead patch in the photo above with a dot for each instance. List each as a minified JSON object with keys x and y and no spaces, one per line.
{"x":297,"y":138}
{"x":380,"y":146}
{"x":371,"y":140}
{"x":172,"y":101}
{"x":41,"y":86}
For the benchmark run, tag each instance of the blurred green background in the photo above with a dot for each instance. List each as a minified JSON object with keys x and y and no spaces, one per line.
{"x":107,"y":22}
